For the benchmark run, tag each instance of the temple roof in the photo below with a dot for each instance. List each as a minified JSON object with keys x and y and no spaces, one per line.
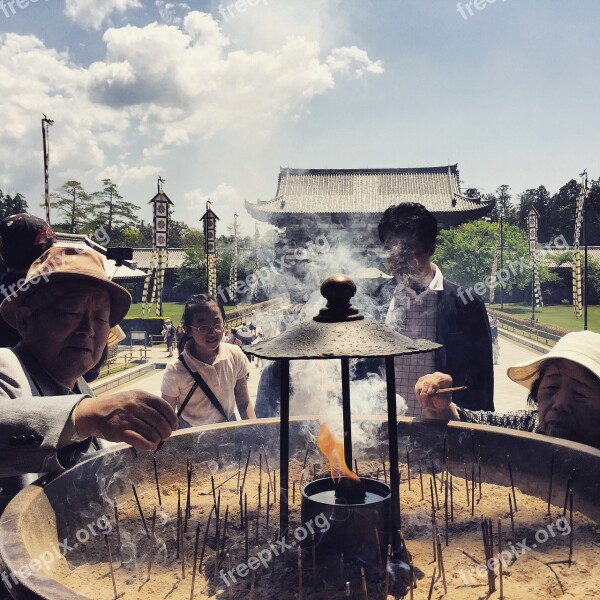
{"x":327,"y":191}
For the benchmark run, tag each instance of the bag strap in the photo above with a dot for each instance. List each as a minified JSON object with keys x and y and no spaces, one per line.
{"x":199,"y":382}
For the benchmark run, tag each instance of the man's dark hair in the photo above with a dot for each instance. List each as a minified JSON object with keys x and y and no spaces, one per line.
{"x":409,"y":218}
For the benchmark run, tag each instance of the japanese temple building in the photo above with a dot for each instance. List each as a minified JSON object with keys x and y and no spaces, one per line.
{"x":347,"y":204}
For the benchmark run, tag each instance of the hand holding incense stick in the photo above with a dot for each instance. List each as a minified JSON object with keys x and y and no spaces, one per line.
{"x":451,"y":389}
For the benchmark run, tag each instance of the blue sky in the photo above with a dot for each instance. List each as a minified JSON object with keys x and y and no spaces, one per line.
{"x":215,"y":99}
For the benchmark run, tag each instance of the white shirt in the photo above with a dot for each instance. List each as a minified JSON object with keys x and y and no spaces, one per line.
{"x":230,"y":365}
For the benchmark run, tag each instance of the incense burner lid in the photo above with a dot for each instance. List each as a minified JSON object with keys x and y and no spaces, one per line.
{"x":338,"y":331}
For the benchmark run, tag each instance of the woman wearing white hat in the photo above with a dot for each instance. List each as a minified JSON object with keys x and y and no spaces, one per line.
{"x":564,"y":391}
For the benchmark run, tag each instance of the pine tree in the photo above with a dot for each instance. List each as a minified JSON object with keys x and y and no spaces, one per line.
{"x":74,"y":204}
{"x":111,"y":211}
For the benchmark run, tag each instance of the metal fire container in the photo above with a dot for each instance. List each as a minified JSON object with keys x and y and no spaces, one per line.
{"x":352,"y":522}
{"x":339,"y":331}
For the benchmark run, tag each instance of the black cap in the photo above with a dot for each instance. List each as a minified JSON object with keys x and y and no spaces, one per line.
{"x":23,"y":239}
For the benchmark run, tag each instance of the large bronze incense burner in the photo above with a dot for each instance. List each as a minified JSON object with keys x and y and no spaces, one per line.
{"x":193,"y":520}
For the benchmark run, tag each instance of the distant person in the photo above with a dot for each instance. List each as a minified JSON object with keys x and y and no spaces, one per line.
{"x":23,"y":239}
{"x":212,"y":373}
{"x":233,"y":338}
{"x":494,"y":331}
{"x":426,"y":305}
{"x":168,"y":333}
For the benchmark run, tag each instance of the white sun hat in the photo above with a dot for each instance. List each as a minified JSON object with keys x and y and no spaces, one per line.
{"x":582,"y":347}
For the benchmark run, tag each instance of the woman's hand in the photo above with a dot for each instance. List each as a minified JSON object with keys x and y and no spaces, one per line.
{"x":436,"y":406}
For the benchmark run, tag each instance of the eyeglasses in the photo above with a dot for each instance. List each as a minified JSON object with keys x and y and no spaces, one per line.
{"x":208,"y":328}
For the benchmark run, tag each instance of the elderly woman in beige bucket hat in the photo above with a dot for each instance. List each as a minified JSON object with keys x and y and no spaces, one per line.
{"x":564,"y":392}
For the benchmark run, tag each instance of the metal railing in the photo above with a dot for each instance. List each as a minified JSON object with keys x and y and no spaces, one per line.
{"x":240,"y":317}
{"x":528,"y":330}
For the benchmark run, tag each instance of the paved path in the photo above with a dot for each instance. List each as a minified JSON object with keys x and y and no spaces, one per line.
{"x":508,"y":395}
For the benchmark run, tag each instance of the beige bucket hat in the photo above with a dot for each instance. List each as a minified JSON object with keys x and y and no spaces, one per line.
{"x":582,"y":347}
{"x":67,"y":263}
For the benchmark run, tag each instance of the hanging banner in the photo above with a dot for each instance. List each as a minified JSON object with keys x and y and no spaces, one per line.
{"x":576,"y":261}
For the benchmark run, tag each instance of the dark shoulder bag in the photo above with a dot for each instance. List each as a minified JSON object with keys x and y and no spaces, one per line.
{"x":199,"y":381}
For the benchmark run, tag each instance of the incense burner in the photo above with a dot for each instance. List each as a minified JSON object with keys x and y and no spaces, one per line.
{"x":42,"y":516}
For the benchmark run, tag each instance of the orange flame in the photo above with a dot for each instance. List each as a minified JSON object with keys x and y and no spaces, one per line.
{"x":333,"y":449}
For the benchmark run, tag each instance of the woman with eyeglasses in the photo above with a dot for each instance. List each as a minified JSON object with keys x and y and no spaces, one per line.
{"x":211,"y":372}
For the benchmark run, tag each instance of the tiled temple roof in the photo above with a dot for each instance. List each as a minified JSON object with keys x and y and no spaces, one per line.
{"x":310,"y":191}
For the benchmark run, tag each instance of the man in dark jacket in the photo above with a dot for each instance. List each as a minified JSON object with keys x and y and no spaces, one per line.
{"x":427,"y":306}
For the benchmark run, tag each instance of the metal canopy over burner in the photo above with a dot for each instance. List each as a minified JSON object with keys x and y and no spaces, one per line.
{"x":339,"y":331}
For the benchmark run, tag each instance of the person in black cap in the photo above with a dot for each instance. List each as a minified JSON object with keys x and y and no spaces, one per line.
{"x":23,"y":239}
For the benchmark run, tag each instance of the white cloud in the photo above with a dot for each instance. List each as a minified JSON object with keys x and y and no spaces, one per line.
{"x":189,"y":81}
{"x":172,"y":13}
{"x":58,"y":87}
{"x":226,"y":201}
{"x":353,"y":61}
{"x":91,"y":14}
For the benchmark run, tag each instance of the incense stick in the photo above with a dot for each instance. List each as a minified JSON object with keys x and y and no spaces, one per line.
{"x":500,"y":567}
{"x":152,"y":545}
{"x":118,"y":530}
{"x":112,"y":571}
{"x":432,"y":583}
{"x":441,"y":563}
{"x":571,"y":526}
{"x":156,"y":480}
{"x":140,"y":509}
{"x":205,"y":538}
{"x":246,"y":468}
{"x":551,"y":478}
{"x":512,"y":483}
{"x":420,"y":479}
{"x":451,"y":389}
{"x":408,"y":468}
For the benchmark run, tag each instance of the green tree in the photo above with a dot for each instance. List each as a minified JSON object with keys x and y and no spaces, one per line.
{"x":111,"y":211}
{"x":191,"y":276}
{"x":12,"y":205}
{"x":504,"y":205}
{"x":466,"y":254}
{"x":74,"y":204}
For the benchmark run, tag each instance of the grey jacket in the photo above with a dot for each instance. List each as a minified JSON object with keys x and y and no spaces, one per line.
{"x":36,"y":432}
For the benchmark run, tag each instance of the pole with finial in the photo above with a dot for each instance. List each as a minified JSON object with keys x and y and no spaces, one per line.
{"x":209,"y":220}
{"x":46,"y":122}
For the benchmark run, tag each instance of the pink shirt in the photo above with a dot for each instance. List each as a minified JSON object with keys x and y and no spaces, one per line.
{"x":230,"y":365}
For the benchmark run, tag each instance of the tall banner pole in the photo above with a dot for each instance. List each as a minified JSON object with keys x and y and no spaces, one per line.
{"x":532,"y":221}
{"x":161,"y":212}
{"x":46,"y":122}
{"x":578,"y":295}
{"x":209,"y":221}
